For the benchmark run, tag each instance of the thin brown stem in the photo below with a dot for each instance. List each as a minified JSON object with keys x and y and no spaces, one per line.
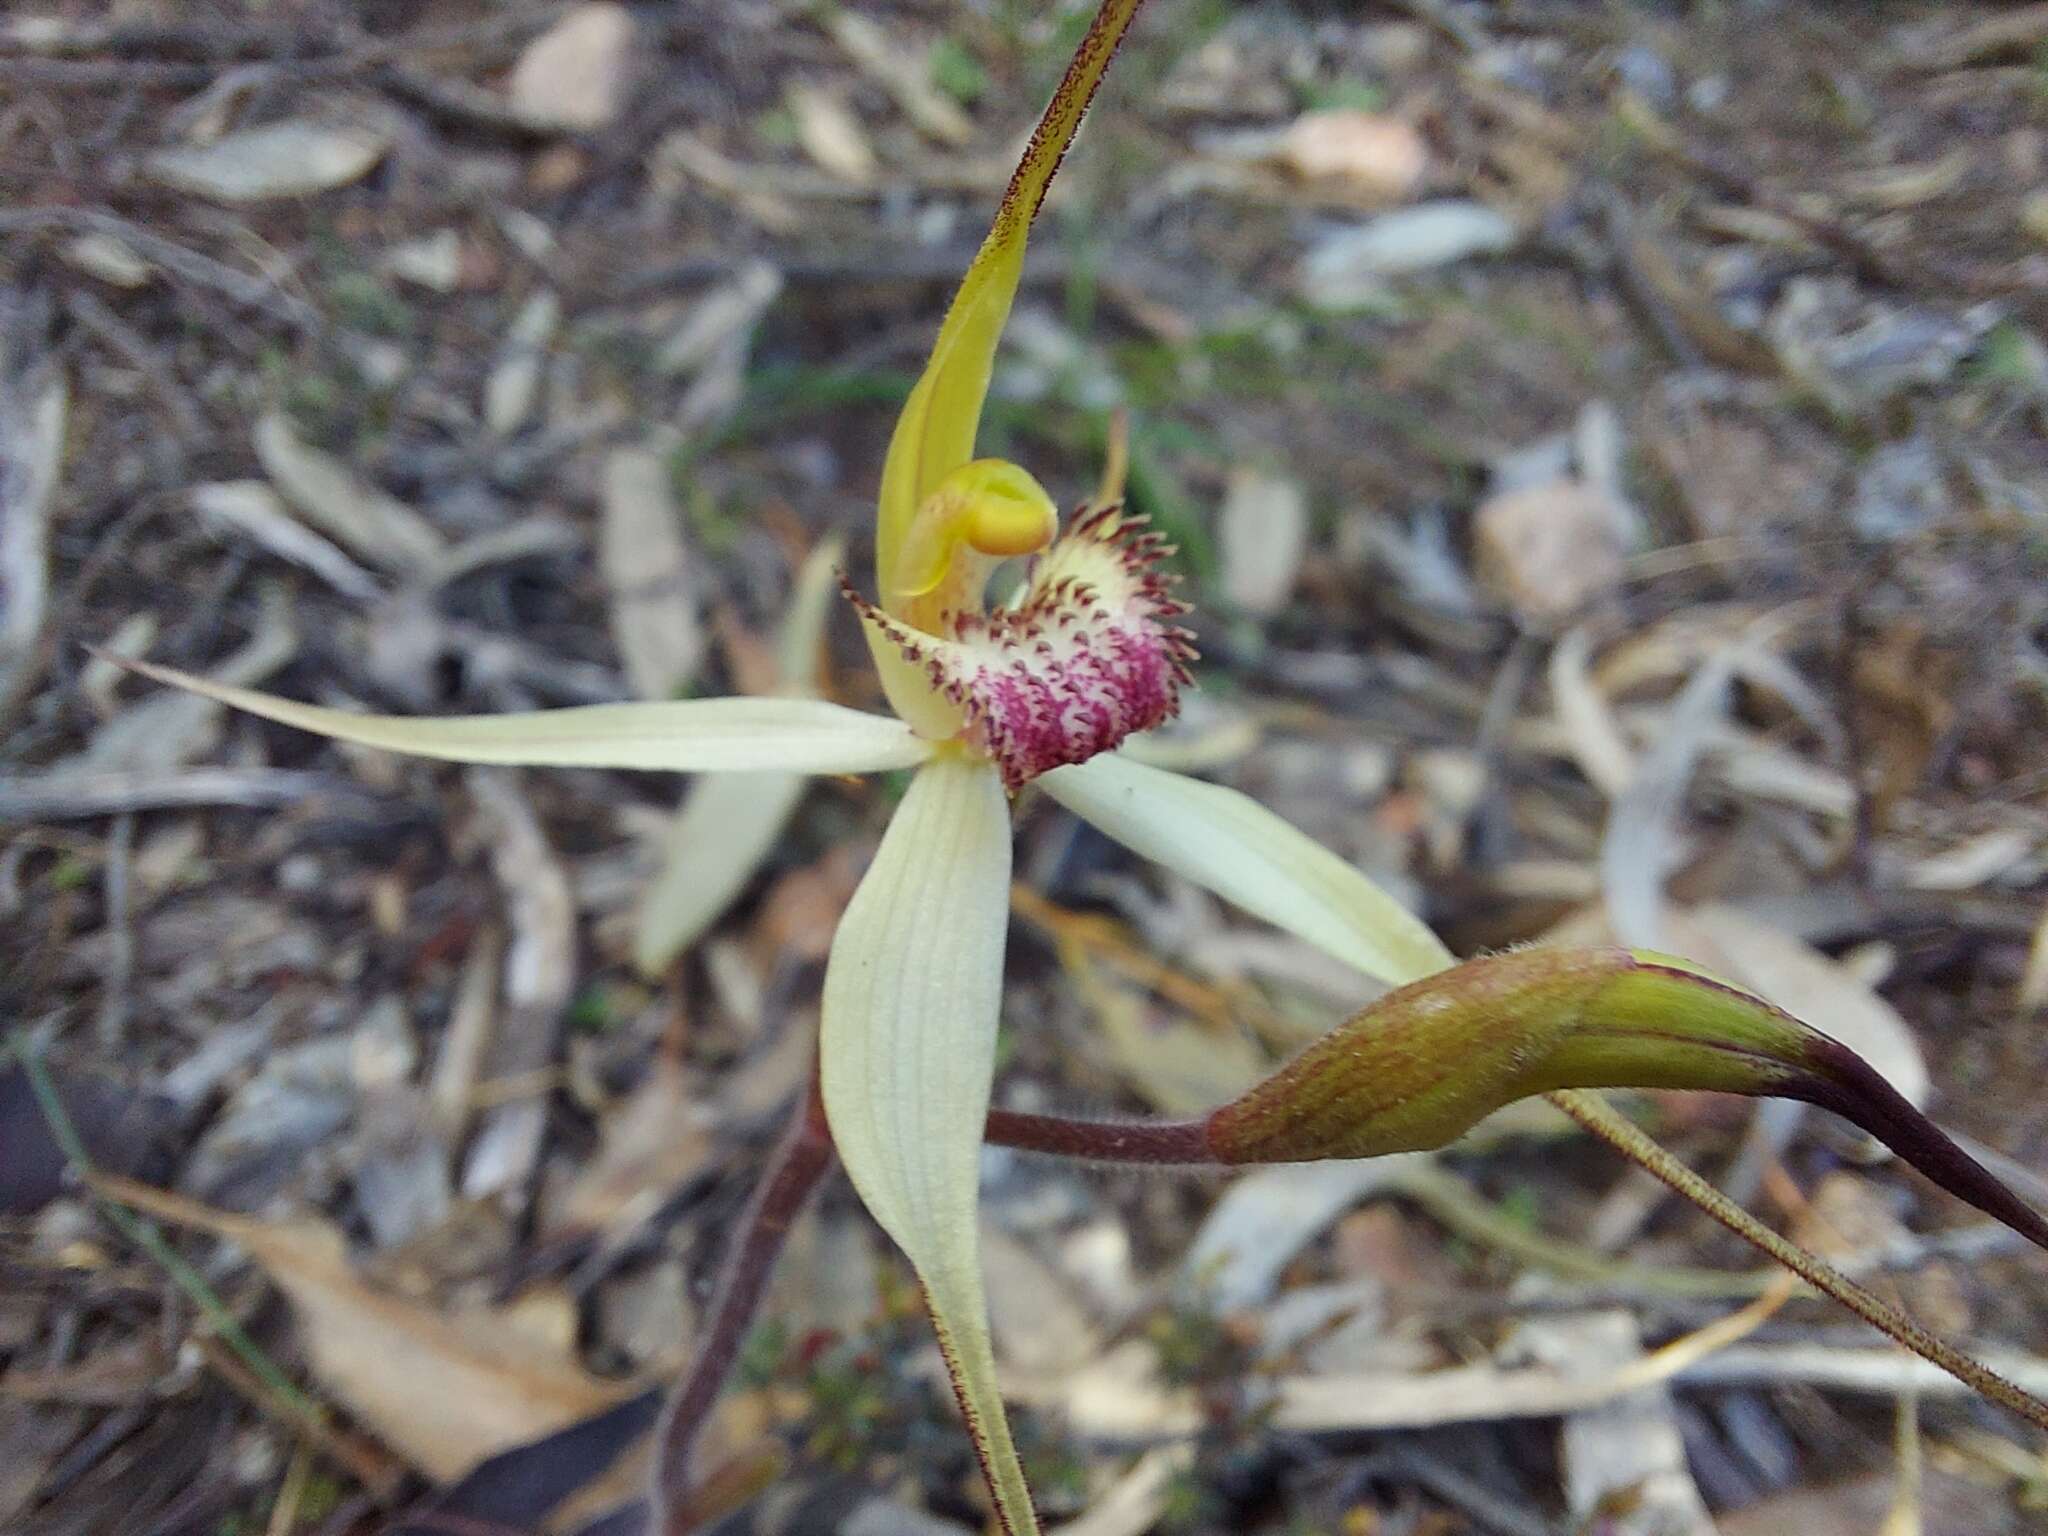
{"x":1594,"y":1113}
{"x":1162,"y":1143}
{"x":799,"y":1163}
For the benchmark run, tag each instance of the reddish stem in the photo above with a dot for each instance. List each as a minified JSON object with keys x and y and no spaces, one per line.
{"x":797,"y":1166}
{"x":1159,"y":1142}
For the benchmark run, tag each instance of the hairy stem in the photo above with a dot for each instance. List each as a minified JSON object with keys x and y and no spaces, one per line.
{"x":799,"y":1163}
{"x":1163,"y":1143}
{"x":1594,"y":1113}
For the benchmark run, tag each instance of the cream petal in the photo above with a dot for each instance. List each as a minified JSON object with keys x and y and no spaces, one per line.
{"x":1244,"y":853}
{"x":692,"y":736}
{"x":907,"y":1052}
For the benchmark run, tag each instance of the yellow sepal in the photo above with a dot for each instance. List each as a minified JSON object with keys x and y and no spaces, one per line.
{"x":935,"y":434}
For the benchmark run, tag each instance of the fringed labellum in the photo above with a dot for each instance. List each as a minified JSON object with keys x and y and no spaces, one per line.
{"x":1087,"y":656}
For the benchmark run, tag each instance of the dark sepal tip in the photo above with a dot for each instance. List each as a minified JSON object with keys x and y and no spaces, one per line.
{"x":1847,"y":1085}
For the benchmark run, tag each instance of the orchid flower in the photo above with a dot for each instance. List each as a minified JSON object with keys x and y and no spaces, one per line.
{"x":1043,"y":690}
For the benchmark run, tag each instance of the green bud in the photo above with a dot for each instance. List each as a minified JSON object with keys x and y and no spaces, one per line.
{"x":1426,"y":1062}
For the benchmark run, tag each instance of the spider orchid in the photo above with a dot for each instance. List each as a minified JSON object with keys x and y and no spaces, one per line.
{"x":1044,"y":690}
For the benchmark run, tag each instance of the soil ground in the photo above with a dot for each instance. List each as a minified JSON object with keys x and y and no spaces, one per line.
{"x":1607,"y":446}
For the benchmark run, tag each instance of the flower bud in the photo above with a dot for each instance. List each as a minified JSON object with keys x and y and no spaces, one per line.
{"x":1421,"y":1066}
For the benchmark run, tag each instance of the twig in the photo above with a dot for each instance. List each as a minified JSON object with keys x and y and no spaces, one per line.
{"x":1880,"y":1372}
{"x":68,"y":797}
{"x":98,"y":316}
{"x":1459,"y":1207}
{"x":1593,"y":1113}
{"x":144,"y":1234}
{"x":115,"y":883}
{"x":1486,"y":1509}
{"x":370,"y":1466}
{"x":284,"y":1512}
{"x":798,"y":1165}
{"x":180,"y":261}
{"x":87,"y":73}
{"x":1462,"y":1209}
{"x":213,"y":45}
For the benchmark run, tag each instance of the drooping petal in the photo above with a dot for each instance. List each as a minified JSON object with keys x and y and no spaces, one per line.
{"x":693,"y":736}
{"x":935,"y":434}
{"x":1247,"y":855}
{"x":906,"y":1055}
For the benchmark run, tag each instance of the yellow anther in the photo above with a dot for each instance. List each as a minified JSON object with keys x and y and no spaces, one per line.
{"x":990,"y":507}
{"x":1006,"y":511}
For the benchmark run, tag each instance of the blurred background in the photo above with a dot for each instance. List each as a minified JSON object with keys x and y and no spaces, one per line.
{"x":1607,"y":445}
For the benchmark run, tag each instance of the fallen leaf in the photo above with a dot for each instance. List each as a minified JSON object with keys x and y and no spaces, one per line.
{"x":640,"y":551}
{"x":1975,"y":862}
{"x":720,"y":323}
{"x":829,"y":132}
{"x":254,"y":510}
{"x":1263,"y":535}
{"x":1381,"y":156}
{"x":1265,"y":1218}
{"x":904,"y":73}
{"x":1906,"y":186}
{"x":540,"y":972}
{"x":111,"y":260}
{"x":1134,"y":1503}
{"x":728,"y":825}
{"x":295,"y":158}
{"x":1623,"y":1462}
{"x":1548,"y":550}
{"x":1641,"y":843}
{"x":336,"y":500}
{"x":2013,"y":35}
{"x":444,"y":1390}
{"x":1351,"y":266}
{"x":1039,"y":1324}
{"x":514,"y":382}
{"x":433,"y":262}
{"x":33,"y":406}
{"x":472,"y":1023}
{"x":1590,"y":729}
{"x":575,"y":75}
